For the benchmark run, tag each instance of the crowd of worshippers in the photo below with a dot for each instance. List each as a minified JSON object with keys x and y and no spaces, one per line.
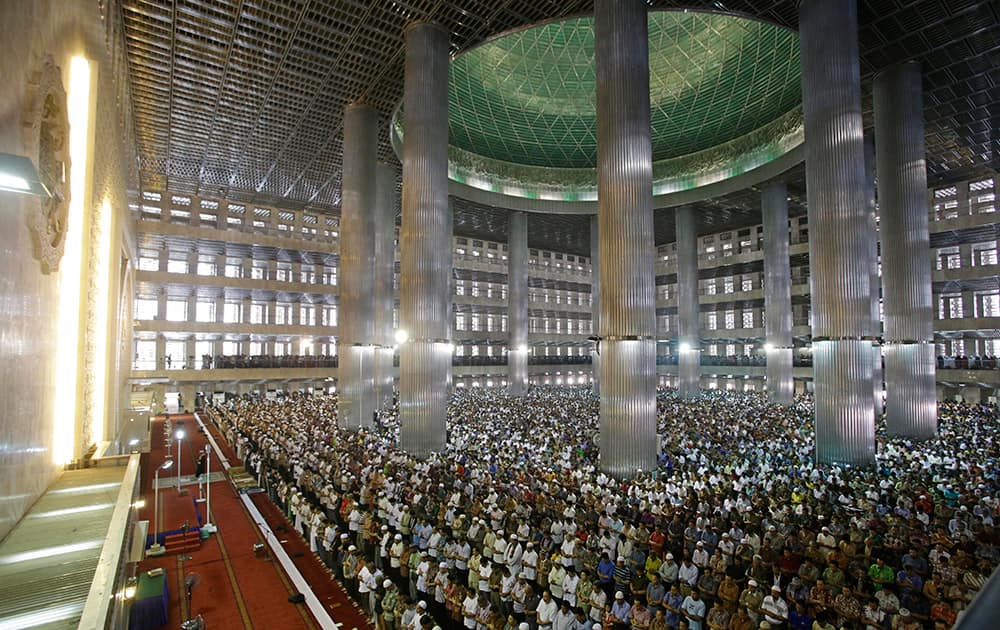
{"x":515,"y":528}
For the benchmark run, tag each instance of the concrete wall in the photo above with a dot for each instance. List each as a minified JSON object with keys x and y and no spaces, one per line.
{"x":34,"y":442}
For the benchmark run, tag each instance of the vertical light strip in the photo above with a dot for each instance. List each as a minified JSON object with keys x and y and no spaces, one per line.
{"x":102,"y":280}
{"x":65,"y":392}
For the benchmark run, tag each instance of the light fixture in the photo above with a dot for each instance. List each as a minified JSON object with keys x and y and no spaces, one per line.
{"x":684,"y":347}
{"x":130,"y":588}
{"x":19,"y":175}
{"x":768,"y":347}
{"x":156,"y":549}
{"x":401,"y":336}
{"x":180,"y":439}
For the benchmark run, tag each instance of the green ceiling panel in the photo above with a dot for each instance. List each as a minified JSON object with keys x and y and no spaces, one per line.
{"x":528,"y":97}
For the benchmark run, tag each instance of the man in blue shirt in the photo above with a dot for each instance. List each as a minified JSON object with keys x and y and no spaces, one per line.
{"x":620,"y":610}
{"x":606,"y":574}
{"x":693,"y":609}
{"x":672,"y":603}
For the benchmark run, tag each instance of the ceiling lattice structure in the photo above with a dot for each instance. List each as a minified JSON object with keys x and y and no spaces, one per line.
{"x":528,"y":97}
{"x":244,"y":98}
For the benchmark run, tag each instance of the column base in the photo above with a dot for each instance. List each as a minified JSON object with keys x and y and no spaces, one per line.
{"x":356,"y":387}
{"x":911,"y":396}
{"x":424,"y":388}
{"x":780,"y":386}
{"x":517,"y":373}
{"x":689,"y":374}
{"x":845,"y":416}
{"x":878,"y":380}
{"x":628,"y":439}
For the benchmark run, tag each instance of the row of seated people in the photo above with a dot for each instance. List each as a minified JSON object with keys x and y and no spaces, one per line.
{"x":242,"y":361}
{"x":734,"y":360}
{"x":961,"y":362}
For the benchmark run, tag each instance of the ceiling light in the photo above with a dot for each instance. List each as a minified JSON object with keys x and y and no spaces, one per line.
{"x":18,"y":174}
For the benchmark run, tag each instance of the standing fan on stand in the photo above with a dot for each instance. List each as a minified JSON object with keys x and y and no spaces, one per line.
{"x":192,"y":580}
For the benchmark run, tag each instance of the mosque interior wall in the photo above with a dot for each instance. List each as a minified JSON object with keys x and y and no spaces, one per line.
{"x":36,"y":440}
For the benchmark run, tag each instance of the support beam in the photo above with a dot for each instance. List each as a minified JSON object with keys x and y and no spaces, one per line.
{"x":426,"y":257}
{"x":911,"y":403}
{"x":356,"y":402}
{"x":688,"y":324}
{"x":517,"y":304}
{"x":625,"y":215}
{"x":777,"y":294}
{"x":839,"y":247}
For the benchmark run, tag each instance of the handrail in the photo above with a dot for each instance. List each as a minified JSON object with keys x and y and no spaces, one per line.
{"x":103,"y":590}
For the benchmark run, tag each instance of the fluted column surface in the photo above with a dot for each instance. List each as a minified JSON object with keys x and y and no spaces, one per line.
{"x":777,"y":294}
{"x":625,"y":215}
{"x":876,"y":282}
{"x":595,"y":300}
{"x":517,"y":304}
{"x":357,"y":261}
{"x":425,"y":249}
{"x":911,"y":399}
{"x":688,"y":322}
{"x":839,"y":250}
{"x":385,"y":267}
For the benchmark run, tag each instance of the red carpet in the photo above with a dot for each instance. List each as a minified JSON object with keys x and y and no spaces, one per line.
{"x":342,"y":608}
{"x":236,"y":588}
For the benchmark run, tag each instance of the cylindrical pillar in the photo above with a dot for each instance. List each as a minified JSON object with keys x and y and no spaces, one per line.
{"x":517,"y":304}
{"x":911,"y":403}
{"x":777,"y":294}
{"x":357,"y":261}
{"x":425,"y":245}
{"x":595,"y":301}
{"x":876,"y":317}
{"x":839,"y":247}
{"x":385,"y":269}
{"x":688,"y":324}
{"x":625,"y":215}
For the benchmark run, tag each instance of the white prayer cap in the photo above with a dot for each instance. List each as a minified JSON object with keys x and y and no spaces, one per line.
{"x":387,"y":584}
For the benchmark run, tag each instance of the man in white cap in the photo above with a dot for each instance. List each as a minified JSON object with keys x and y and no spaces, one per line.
{"x":775,"y":608}
{"x":421,"y":612}
{"x":668,"y":570}
{"x":396,"y":552}
{"x":620,"y":610}
{"x":389,"y":605}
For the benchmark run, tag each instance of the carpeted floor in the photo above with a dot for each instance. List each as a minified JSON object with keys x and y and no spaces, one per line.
{"x":342,"y":608}
{"x":236,"y":588}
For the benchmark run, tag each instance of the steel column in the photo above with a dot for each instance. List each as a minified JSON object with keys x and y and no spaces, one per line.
{"x":777,"y":294}
{"x":688,"y":321}
{"x":357,"y":260}
{"x":839,"y":246}
{"x":876,"y":318}
{"x":625,"y":215}
{"x":385,"y":269}
{"x":426,"y":257}
{"x":517,"y":304}
{"x":595,"y":301}
{"x":911,"y":400}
